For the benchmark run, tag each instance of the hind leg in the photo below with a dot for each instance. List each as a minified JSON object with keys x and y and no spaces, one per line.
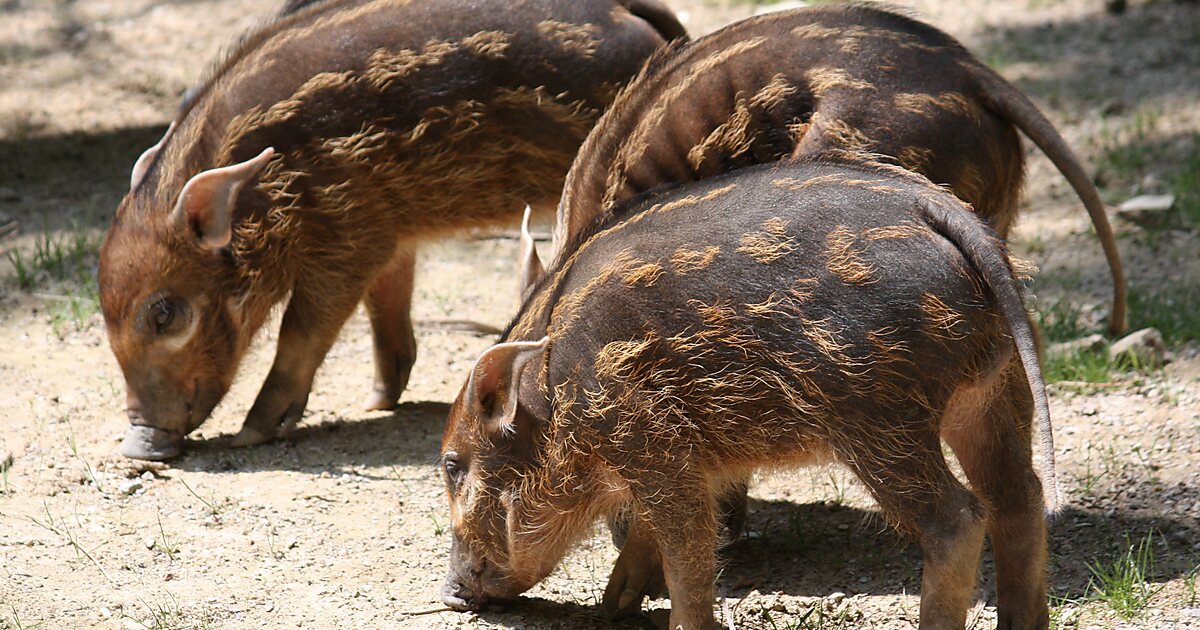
{"x":389,"y":302}
{"x":990,"y":435}
{"x":905,"y":471}
{"x":951,"y":542}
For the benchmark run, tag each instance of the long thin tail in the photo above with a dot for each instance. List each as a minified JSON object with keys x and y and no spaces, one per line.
{"x":984,"y":251}
{"x":1019,"y":110}
{"x":659,"y":16}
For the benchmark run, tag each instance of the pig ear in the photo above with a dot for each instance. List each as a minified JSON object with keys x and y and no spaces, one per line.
{"x":205,"y":206}
{"x":143,"y":163}
{"x":531,"y":266}
{"x":496,"y":380}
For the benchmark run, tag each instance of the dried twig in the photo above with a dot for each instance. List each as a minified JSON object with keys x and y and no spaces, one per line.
{"x":431,"y":611}
{"x":459,"y":325}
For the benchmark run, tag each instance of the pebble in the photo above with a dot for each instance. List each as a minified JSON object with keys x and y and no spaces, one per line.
{"x":1144,"y":346}
{"x":1151,"y":211}
{"x":1090,"y":343}
{"x":129,"y":486}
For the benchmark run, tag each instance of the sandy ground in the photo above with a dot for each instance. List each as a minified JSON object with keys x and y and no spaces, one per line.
{"x":344,"y":525}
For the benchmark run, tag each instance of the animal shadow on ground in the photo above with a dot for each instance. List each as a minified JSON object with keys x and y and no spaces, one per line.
{"x":551,"y":614}
{"x":816,"y":549}
{"x":411,"y":435}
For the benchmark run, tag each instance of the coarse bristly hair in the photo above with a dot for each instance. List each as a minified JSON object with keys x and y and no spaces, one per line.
{"x":793,"y":83}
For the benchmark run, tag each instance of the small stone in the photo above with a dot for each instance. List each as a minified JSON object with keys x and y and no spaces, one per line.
{"x":1151,"y":211}
{"x":129,"y":486}
{"x":147,"y":476}
{"x":1090,"y":343}
{"x":835,"y":598}
{"x":1143,"y":348}
{"x":843,"y":527}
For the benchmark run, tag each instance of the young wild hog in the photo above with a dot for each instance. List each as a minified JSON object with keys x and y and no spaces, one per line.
{"x":314,"y":160}
{"x":829,"y":77}
{"x":774,"y":316}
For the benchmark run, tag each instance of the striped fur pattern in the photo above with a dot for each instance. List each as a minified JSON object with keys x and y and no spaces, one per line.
{"x":831,"y":77}
{"x":442,"y":115}
{"x":682,"y":355}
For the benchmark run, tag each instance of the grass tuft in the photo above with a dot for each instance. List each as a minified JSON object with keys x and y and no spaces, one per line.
{"x":438,"y":530}
{"x":1174,"y":311}
{"x":168,"y":615}
{"x":1062,"y":321}
{"x":1124,"y":583}
{"x":6,"y":465}
{"x":1126,"y":151}
{"x":1080,"y":366}
{"x":164,"y":542}
{"x":211,"y":505}
{"x":15,"y":622}
{"x":1185,"y":182}
{"x":70,"y":257}
{"x":59,"y":528}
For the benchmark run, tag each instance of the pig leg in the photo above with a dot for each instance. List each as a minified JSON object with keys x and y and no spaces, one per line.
{"x":951,"y":541}
{"x":992,"y":442}
{"x":637,"y":573}
{"x":311,"y":323}
{"x":682,"y":522}
{"x":920,"y":494}
{"x":389,"y":301}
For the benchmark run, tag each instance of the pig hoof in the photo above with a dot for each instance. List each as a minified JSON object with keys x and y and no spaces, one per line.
{"x":381,"y":401}
{"x":150,"y":443}
{"x":249,"y":436}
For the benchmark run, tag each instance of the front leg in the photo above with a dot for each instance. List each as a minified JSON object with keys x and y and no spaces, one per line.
{"x":389,"y":305}
{"x":638,"y":573}
{"x":310,"y":326}
{"x":678,"y":516}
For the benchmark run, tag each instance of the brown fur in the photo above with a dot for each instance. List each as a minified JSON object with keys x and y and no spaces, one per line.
{"x":653,"y":401}
{"x":841,"y":77}
{"x":442,"y":116}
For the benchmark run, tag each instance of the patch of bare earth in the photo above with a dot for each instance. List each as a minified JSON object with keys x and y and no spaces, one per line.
{"x":344,"y":525}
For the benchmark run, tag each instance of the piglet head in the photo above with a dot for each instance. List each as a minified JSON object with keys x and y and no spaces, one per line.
{"x":166,"y":292}
{"x":487,"y":453}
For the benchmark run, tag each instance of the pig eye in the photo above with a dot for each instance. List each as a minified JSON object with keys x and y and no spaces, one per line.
{"x":454,"y":471}
{"x":165,"y":316}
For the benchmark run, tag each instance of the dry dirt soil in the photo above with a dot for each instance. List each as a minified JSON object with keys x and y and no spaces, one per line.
{"x":344,"y":525}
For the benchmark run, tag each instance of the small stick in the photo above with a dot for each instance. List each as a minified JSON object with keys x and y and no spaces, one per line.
{"x":431,"y":611}
{"x":459,"y":325}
